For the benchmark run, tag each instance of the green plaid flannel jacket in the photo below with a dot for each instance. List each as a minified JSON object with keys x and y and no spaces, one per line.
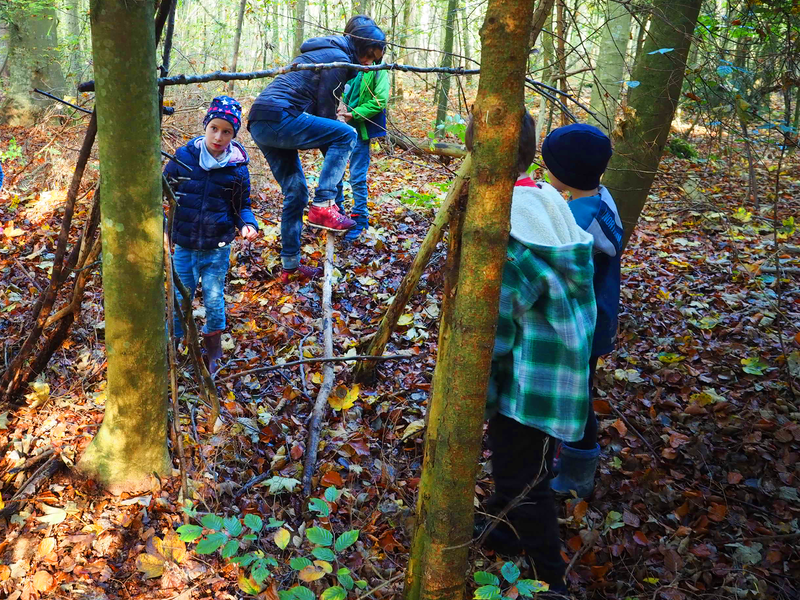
{"x":540,"y":365}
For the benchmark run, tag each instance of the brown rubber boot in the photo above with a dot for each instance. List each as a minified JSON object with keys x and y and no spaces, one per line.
{"x":212,"y":345}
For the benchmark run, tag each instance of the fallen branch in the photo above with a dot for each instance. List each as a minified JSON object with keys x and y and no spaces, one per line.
{"x":305,"y":361}
{"x":321,"y":404}
{"x":88,"y":86}
{"x":34,"y":482}
{"x":422,"y":147}
{"x":366,"y":371}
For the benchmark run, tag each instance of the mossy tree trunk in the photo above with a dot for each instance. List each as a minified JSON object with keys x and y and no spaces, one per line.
{"x":438,"y":564}
{"x":640,"y":136}
{"x":132,"y":441}
{"x":32,"y":60}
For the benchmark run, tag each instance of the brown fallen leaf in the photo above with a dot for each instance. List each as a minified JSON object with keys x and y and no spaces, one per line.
{"x":43,"y":582}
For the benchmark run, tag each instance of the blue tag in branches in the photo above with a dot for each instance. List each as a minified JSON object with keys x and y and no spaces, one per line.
{"x":662,"y":51}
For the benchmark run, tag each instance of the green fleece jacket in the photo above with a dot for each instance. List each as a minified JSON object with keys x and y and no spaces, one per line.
{"x":368,"y":96}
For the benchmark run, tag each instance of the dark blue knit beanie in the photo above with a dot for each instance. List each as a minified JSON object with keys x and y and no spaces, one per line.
{"x":226,"y":108}
{"x":577,"y":155}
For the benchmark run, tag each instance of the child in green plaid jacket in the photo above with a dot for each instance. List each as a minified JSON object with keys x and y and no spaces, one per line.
{"x":537,"y":391}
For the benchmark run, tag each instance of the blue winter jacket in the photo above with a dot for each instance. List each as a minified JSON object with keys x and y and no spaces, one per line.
{"x":314,"y":92}
{"x":213,"y":204}
{"x":598,"y":216}
{"x":1,"y":176}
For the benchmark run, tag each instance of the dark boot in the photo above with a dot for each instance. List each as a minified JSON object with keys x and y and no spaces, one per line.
{"x":577,"y":471}
{"x":212,"y":345}
{"x":355,"y":232}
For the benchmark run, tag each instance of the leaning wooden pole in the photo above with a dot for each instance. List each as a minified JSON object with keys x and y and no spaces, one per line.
{"x":438,"y":566}
{"x":328,"y":376}
{"x":365,"y":371}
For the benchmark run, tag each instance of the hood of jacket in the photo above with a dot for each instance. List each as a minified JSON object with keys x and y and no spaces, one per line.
{"x":331,"y":42}
{"x":542,"y":221}
{"x":239,"y":156}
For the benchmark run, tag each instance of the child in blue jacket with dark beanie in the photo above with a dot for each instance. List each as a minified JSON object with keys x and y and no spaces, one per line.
{"x":576,"y":156}
{"x":213,"y":203}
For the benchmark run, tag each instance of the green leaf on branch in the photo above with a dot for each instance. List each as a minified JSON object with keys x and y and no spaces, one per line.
{"x":254,"y":522}
{"x":233,"y":525}
{"x":484,"y":578}
{"x":298,"y":563}
{"x":319,"y":505}
{"x":510,"y":572}
{"x":213,"y":522}
{"x":488,"y":592}
{"x":347,"y":539}
{"x":211,"y":543}
{"x":319,"y":536}
{"x":334,"y":593}
{"x":323,"y":553}
{"x":301,"y":592}
{"x":189,"y":533}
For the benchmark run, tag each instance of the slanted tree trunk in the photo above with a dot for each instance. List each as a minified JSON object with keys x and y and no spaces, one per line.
{"x":32,"y":61}
{"x":131,"y":444}
{"x":610,"y":67}
{"x":640,"y":138}
{"x":447,"y":62}
{"x":236,"y":38}
{"x":438,"y":564}
{"x":299,"y":26}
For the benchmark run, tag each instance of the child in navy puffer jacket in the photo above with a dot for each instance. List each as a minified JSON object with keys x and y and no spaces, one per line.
{"x":213,"y":202}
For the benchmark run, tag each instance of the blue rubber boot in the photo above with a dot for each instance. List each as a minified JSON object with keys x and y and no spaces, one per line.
{"x":577,"y":471}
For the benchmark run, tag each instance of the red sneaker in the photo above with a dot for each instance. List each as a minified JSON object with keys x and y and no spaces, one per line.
{"x":301,"y":273}
{"x":329,"y":217}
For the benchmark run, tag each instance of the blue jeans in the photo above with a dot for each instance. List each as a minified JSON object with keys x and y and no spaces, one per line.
{"x":280,"y":141}
{"x":359,"y":165}
{"x":209,"y":267}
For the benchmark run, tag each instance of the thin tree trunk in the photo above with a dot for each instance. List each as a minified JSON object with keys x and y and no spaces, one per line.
{"x":438,"y":562}
{"x":236,"y":38}
{"x":561,"y":56}
{"x":610,"y":66}
{"x":447,"y":62}
{"x":548,"y":58}
{"x":299,"y":26}
{"x":131,"y":443}
{"x":639,"y":141}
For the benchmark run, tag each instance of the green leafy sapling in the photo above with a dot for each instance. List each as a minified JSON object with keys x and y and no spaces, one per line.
{"x":492,"y":588}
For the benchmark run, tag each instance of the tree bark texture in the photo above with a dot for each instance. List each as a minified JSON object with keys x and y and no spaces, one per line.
{"x":640,"y":136}
{"x":131,"y":443}
{"x":610,"y":67}
{"x":438,"y":563}
{"x":32,"y":62}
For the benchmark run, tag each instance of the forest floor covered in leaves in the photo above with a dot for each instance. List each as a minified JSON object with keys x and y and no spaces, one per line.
{"x":697,"y":492}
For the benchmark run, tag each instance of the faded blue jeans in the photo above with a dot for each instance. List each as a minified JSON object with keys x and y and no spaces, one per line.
{"x":359,"y":165}
{"x":280,"y":141}
{"x":210,"y":268}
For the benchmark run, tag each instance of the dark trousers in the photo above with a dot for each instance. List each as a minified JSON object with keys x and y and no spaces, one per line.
{"x":520,"y":456}
{"x":589,"y":440}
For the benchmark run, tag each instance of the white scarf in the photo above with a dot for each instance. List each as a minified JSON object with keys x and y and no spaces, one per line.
{"x":207,"y":161}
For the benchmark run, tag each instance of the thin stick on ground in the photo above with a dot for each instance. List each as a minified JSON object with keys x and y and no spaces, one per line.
{"x":327,"y":371}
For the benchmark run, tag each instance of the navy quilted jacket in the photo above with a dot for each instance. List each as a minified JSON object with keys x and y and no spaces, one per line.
{"x":213,"y":204}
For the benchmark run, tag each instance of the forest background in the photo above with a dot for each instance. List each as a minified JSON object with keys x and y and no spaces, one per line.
{"x":698,"y":491}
